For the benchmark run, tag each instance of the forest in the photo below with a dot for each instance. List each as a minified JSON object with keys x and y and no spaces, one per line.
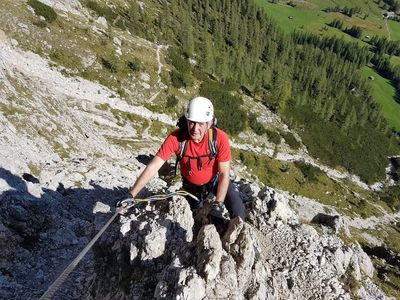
{"x":313,"y":83}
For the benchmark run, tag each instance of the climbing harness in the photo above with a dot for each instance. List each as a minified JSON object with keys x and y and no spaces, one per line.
{"x":122,"y":208}
{"x":204,"y":191}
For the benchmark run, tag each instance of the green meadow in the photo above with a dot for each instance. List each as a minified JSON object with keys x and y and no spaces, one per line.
{"x":290,"y":19}
{"x":384,"y":93}
{"x":309,"y":16}
{"x":394,"y":30}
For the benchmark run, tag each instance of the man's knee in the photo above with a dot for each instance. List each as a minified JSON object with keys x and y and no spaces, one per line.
{"x":235,"y":203}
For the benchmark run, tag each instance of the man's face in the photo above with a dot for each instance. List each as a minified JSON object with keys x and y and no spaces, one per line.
{"x":197,"y":130}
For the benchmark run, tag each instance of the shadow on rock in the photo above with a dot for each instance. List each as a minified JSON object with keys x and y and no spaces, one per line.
{"x":144,"y":159}
{"x":154,"y":240}
{"x":39,"y":236}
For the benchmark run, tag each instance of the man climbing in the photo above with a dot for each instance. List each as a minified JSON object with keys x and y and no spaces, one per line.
{"x":204,"y":155}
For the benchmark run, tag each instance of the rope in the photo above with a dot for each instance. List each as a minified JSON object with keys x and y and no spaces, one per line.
{"x":125,"y":205}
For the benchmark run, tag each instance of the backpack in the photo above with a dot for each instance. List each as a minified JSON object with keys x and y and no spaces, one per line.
{"x":183,"y":137}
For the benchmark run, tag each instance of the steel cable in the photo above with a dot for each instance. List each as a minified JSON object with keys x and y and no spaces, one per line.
{"x":120,"y":210}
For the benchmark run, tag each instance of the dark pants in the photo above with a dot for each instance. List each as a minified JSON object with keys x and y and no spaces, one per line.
{"x":233,"y":201}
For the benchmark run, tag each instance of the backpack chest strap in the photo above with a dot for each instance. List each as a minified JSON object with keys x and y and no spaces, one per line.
{"x":212,"y":145}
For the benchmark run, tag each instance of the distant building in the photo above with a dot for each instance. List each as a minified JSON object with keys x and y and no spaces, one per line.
{"x":389,"y":14}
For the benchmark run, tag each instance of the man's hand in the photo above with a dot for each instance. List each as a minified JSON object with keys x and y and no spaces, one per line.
{"x":218,"y":206}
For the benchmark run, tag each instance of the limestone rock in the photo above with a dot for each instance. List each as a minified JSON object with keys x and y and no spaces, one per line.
{"x":154,"y":242}
{"x":101,"y":208}
{"x":238,"y":241}
{"x":190,"y":286}
{"x":364,"y":263}
{"x":209,"y":252}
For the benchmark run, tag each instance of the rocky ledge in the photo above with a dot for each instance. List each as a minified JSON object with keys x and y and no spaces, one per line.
{"x":156,"y":253}
{"x":158,"y":250}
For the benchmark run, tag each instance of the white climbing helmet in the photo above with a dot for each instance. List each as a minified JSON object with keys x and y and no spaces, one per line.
{"x":200,"y":109}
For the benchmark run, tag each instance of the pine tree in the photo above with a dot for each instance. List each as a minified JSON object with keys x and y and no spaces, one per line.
{"x":208,"y":58}
{"x":343,"y":108}
{"x":353,"y":116}
{"x":330,"y":111}
{"x":186,"y":36}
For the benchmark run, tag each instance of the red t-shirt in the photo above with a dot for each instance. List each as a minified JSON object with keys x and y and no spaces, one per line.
{"x":209,"y":168}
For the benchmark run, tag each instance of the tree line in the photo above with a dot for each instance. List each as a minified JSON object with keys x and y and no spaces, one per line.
{"x":392,"y":5}
{"x":383,"y":45}
{"x":347,"y":11}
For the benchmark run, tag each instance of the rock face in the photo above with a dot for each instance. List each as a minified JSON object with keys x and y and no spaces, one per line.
{"x":156,"y":250}
{"x":272,"y":256}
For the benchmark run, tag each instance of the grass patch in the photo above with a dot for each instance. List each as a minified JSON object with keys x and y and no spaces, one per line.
{"x":34,"y":169}
{"x":309,"y":172}
{"x":273,"y":137}
{"x":103,"y":106}
{"x":394,"y":28}
{"x":290,"y":140}
{"x":66,"y":59}
{"x":391,"y":288}
{"x":350,"y":283}
{"x":301,"y":16}
{"x":166,"y":103}
{"x":123,"y":143}
{"x":390,"y":236}
{"x":392,"y":239}
{"x":123,"y":118}
{"x":9,"y":110}
{"x":43,"y":10}
{"x":305,"y":180}
{"x":159,"y":129}
{"x":391,"y":196}
{"x":309,"y":16}
{"x":255,"y":125}
{"x":384,"y":93}
{"x":172,"y":101}
{"x":387,"y":277}
{"x":62,"y":152}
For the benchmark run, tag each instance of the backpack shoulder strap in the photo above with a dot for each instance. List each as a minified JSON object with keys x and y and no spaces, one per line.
{"x":182,"y":139}
{"x":182,"y":149}
{"x":212,"y":142}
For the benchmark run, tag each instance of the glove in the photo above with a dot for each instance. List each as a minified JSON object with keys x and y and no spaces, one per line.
{"x":218,"y":206}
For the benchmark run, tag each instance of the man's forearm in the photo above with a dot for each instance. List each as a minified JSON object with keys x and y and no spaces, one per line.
{"x":223,"y":184}
{"x":150,"y":170}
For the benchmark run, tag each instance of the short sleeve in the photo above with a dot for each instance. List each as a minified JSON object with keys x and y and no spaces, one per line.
{"x":224,"y":147}
{"x":169,"y":146}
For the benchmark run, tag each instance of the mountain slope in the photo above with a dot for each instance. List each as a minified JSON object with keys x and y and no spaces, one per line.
{"x":75,"y":131}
